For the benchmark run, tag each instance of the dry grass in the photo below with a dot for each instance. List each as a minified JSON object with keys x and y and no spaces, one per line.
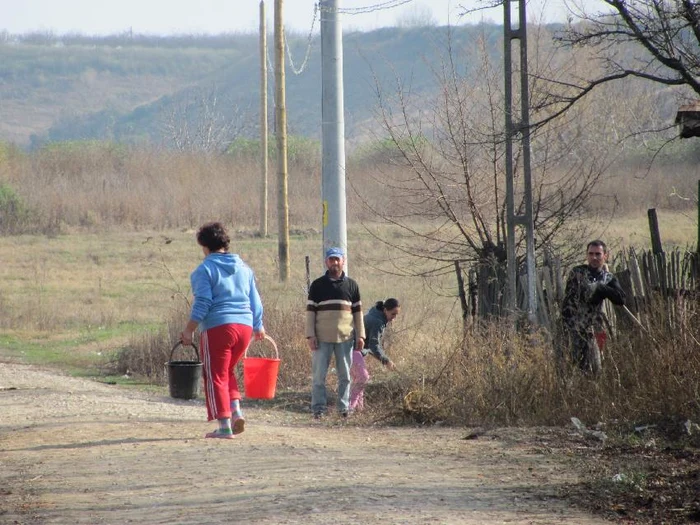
{"x":492,"y":375}
{"x":110,"y":246}
{"x":97,"y":186}
{"x":496,"y":376}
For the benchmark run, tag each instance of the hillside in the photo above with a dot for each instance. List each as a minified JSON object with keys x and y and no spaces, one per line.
{"x":126,"y":88}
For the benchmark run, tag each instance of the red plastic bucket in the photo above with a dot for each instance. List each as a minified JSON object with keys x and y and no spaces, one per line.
{"x":260,"y":374}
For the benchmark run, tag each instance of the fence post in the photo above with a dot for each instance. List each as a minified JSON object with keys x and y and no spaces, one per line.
{"x":654,"y":230}
{"x":462,"y":295}
{"x":473,"y":292}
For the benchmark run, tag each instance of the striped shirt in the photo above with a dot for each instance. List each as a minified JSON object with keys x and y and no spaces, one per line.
{"x":333,"y":309}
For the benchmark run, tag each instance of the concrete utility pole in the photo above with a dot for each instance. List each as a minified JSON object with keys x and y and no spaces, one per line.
{"x":263,"y":120}
{"x":521,"y":128}
{"x":281,"y":135}
{"x":332,"y":128}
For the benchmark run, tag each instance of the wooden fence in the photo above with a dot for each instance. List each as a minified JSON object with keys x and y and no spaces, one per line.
{"x":646,"y":278}
{"x":647,"y":275}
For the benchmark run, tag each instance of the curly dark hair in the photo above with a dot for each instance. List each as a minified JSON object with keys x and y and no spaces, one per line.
{"x":213,"y":236}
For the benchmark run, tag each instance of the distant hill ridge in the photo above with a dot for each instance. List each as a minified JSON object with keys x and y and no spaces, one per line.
{"x":133,"y":88}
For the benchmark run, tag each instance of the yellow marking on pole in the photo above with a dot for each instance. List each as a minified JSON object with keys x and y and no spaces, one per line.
{"x":325,"y":213}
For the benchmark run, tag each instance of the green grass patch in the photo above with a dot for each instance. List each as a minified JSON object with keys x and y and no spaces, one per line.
{"x":83,"y":352}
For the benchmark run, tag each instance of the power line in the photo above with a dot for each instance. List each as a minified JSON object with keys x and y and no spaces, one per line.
{"x":389,"y":4}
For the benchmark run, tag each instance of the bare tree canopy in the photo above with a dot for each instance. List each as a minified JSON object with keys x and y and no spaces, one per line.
{"x":444,"y":164}
{"x":203,"y":123}
{"x":653,"y":40}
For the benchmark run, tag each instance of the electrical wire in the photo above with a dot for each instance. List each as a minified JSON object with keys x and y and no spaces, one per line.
{"x":389,"y":4}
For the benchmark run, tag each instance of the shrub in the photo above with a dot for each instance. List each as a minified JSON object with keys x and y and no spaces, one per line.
{"x":14,"y":212}
{"x":497,"y":376}
{"x":146,"y":354}
{"x":302,"y":152}
{"x":385,"y":151}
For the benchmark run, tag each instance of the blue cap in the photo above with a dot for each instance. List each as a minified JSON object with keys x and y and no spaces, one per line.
{"x":335,"y":252}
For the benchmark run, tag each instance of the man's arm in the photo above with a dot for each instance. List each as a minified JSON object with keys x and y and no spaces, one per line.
{"x":611,"y":291}
{"x":311,"y":307}
{"x":357,"y":319}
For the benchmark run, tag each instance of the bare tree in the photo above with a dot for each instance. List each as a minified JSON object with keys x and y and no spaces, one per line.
{"x":657,"y":41}
{"x":448,"y":183}
{"x":203,"y":123}
{"x":419,"y":15}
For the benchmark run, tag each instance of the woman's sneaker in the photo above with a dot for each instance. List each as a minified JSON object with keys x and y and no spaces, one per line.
{"x":238,"y":425}
{"x":219,"y":434}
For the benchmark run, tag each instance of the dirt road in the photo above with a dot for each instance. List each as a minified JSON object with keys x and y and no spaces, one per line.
{"x":80,"y":452}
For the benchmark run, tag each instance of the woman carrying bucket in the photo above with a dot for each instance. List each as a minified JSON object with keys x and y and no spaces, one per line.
{"x":227,"y":310}
{"x":376,"y":320}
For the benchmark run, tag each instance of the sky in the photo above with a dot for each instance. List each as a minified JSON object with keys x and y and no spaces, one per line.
{"x":167,"y":17}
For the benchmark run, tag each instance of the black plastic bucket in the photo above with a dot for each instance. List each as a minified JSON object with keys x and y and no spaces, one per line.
{"x":184,"y":377}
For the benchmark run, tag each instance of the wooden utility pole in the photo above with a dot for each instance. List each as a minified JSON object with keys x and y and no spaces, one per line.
{"x":263,"y":119}
{"x":281,"y":135}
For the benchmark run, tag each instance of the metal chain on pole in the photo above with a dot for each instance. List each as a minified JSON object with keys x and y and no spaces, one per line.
{"x":309,"y":42}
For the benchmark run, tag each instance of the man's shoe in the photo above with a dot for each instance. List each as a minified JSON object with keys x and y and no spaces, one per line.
{"x":344,"y":414}
{"x":318,"y":415}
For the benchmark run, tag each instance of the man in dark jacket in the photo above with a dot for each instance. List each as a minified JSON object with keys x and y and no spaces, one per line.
{"x":587,"y":286}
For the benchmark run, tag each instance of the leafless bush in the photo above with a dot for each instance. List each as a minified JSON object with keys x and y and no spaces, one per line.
{"x":147,"y":353}
{"x":201,"y":124}
{"x":497,"y":376}
{"x":653,"y":371}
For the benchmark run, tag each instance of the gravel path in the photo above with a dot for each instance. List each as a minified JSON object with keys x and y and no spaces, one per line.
{"x":76,"y":451}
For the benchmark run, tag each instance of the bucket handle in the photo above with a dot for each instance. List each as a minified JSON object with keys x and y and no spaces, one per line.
{"x":267,"y":338}
{"x":196,"y":352}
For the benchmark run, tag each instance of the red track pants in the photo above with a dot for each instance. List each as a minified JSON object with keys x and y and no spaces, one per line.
{"x":221,"y":348}
{"x":601,"y":338}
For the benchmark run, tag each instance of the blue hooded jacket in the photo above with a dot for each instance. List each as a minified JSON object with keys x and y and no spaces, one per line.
{"x":225,"y":293}
{"x":375,"y":324}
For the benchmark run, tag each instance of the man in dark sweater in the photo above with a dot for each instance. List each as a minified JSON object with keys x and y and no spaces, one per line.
{"x":587,"y":286}
{"x":333,"y":311}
